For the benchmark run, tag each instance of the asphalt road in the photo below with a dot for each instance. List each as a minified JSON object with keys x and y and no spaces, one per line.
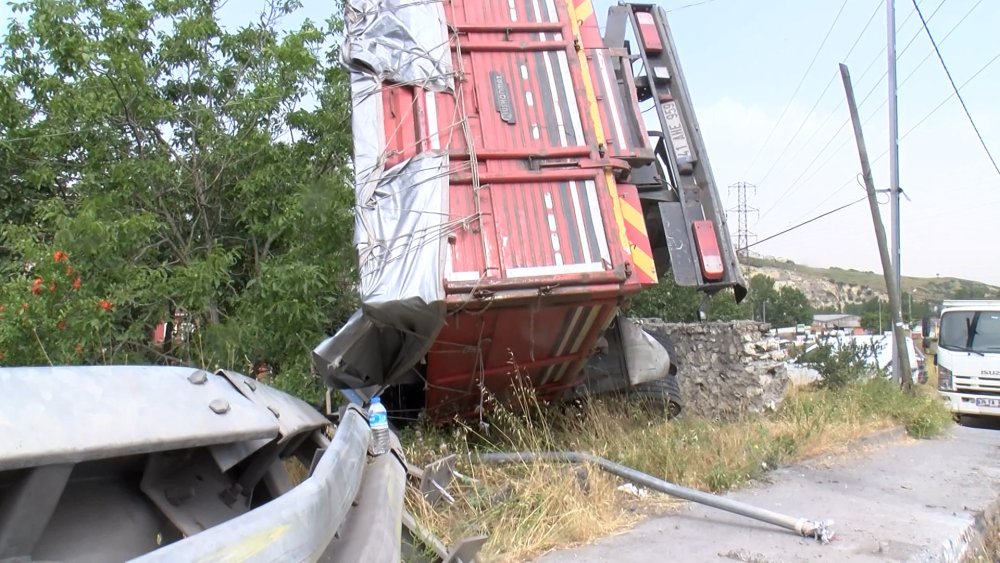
{"x":908,"y":500}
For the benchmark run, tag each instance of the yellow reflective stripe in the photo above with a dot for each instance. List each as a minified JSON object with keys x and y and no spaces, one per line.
{"x":575,"y":17}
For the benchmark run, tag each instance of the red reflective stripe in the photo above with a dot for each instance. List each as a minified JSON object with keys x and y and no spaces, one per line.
{"x":647,"y":30}
{"x":708,"y":250}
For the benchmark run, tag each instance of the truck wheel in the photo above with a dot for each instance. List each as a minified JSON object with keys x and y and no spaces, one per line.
{"x":665,"y":392}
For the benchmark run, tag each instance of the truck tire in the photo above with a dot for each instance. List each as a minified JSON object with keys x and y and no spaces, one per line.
{"x":665,"y":392}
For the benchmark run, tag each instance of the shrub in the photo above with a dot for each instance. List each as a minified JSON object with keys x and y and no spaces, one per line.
{"x":840,"y":366}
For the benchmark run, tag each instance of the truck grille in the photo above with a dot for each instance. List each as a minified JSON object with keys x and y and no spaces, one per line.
{"x":976,"y":384}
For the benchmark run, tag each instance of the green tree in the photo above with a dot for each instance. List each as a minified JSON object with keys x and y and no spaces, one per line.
{"x":176,"y":166}
{"x":792,"y":307}
{"x":875,"y":312}
{"x":666,"y":301}
{"x":680,"y":304}
{"x":761,"y":296}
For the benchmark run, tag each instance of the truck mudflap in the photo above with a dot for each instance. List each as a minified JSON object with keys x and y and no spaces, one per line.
{"x":645,"y":358}
{"x":401,"y":208}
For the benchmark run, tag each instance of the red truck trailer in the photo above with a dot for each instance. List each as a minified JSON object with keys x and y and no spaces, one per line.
{"x":512,"y":192}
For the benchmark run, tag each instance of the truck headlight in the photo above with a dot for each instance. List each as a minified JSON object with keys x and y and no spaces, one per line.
{"x":945,"y":379}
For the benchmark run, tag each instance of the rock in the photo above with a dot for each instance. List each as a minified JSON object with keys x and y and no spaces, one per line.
{"x":726,"y":368}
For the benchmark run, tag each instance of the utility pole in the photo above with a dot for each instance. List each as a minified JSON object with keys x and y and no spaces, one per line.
{"x":890,"y":6}
{"x":891,"y":277}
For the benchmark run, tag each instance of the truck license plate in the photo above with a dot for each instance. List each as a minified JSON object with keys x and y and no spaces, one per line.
{"x":995,"y":403}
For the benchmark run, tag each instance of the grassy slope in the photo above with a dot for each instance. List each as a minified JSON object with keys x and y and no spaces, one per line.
{"x":527,"y":509}
{"x":930,"y":288}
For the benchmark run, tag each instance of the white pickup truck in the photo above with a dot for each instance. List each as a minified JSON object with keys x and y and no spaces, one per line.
{"x":968,"y":357}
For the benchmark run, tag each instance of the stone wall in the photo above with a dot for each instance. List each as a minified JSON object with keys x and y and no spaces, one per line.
{"x":725,"y":368}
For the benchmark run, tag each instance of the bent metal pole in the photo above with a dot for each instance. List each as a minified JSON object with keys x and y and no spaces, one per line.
{"x":802,"y":526}
{"x":891,"y":279}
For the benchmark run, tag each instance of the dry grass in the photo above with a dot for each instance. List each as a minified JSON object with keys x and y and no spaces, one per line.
{"x":527,"y":509}
{"x":297,"y":471}
{"x":989,"y":551}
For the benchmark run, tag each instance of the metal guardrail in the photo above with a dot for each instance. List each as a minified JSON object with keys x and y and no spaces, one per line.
{"x":301,"y":525}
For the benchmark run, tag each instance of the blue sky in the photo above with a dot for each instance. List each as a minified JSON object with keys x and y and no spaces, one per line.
{"x":743,"y":60}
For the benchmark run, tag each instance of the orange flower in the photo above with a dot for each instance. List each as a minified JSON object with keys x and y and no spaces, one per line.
{"x":105,"y":304}
{"x":79,"y":348}
{"x":77,"y":284}
{"x":52,"y":286}
{"x":69,"y":270}
{"x":61,"y":325}
{"x":36,"y":286}
{"x":59,"y":256}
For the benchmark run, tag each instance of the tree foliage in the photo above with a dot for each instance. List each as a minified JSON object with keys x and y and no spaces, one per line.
{"x":171,"y":165}
{"x":875,"y":312}
{"x":843,"y":365}
{"x":680,"y":304}
{"x":783,"y":307}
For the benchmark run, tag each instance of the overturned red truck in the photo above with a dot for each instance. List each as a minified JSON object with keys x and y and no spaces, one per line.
{"x":513,"y":190}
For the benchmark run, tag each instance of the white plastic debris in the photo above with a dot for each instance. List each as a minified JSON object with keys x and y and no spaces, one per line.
{"x":633,"y":490}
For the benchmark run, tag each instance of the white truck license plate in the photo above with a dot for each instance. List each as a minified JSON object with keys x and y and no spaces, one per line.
{"x":995,"y":403}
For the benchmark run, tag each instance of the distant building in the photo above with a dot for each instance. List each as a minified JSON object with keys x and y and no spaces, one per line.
{"x":850,"y":324}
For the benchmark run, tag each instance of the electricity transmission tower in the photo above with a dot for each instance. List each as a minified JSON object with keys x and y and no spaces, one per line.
{"x":743,"y":211}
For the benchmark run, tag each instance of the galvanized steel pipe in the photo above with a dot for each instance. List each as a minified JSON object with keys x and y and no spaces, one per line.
{"x":802,"y":526}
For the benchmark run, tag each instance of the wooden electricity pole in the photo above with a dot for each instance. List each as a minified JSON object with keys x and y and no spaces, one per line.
{"x":891,"y":280}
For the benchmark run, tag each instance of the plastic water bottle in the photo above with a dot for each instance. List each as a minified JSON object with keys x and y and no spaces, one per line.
{"x":378,"y":421}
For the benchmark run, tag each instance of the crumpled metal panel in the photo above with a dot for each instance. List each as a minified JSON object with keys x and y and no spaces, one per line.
{"x":401,"y":231}
{"x":402,"y":41}
{"x":72,"y":414}
{"x":297,"y":526}
{"x":295,"y":417}
{"x":401,"y":219}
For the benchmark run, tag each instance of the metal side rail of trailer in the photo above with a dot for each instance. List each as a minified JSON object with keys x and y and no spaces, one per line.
{"x":178,"y":464}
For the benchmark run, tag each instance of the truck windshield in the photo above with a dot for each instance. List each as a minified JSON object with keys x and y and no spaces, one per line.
{"x":975,"y":331}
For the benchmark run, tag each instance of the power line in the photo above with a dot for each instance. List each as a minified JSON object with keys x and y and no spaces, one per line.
{"x":952,"y":95}
{"x":910,"y":130}
{"x":840,"y":104}
{"x":865,"y":98}
{"x":804,"y":223}
{"x":799,"y":86}
{"x":691,"y":5}
{"x":943,"y":39}
{"x":871,"y":90}
{"x":955,"y":88}
{"x":821,"y":94}
{"x":923,"y":119}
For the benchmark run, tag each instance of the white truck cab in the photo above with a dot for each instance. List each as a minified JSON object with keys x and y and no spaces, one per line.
{"x":968,"y":357}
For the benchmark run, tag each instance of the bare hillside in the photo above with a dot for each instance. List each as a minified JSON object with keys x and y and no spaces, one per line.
{"x":832,"y":288}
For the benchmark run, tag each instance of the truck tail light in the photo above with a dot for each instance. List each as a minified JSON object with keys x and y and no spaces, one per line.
{"x":708,"y":250}
{"x":945,"y":379}
{"x":648,"y":33}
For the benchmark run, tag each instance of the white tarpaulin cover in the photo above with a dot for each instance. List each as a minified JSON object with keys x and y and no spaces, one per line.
{"x":401,"y":213}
